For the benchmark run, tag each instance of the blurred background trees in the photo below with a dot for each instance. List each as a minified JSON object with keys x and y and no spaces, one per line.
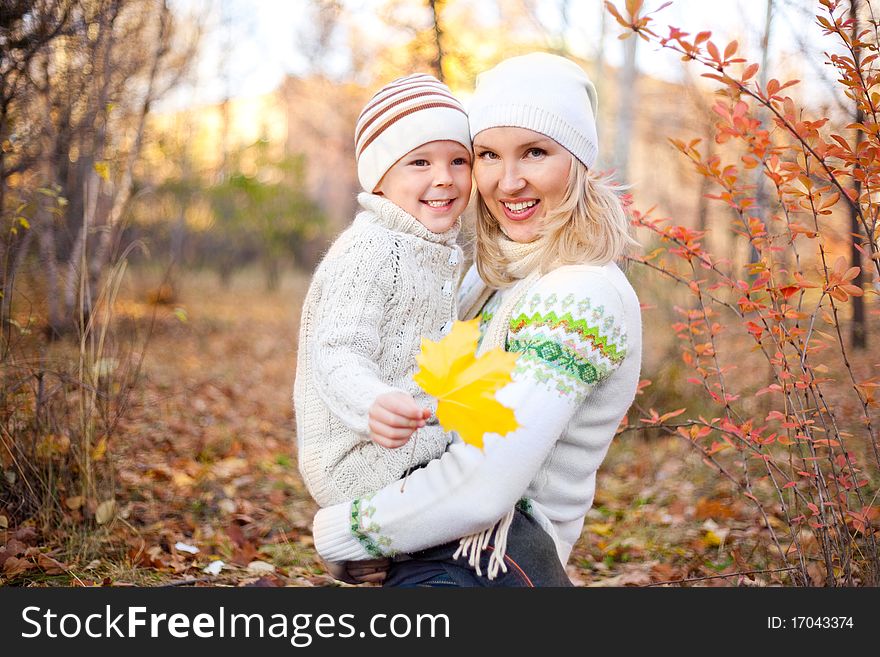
{"x":88,"y":164}
{"x":79,"y":82}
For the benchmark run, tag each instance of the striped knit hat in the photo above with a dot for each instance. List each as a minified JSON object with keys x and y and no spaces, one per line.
{"x":403,"y":115}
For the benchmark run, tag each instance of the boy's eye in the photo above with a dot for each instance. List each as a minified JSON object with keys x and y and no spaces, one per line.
{"x":419,"y":163}
{"x":459,"y":161}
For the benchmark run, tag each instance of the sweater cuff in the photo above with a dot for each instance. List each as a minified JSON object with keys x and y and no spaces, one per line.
{"x":358,"y":416}
{"x":333,"y":538}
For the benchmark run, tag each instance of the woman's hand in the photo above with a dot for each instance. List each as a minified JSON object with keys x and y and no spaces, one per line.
{"x":393,"y":418}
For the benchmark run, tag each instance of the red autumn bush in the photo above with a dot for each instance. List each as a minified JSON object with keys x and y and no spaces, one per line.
{"x":775,"y":342}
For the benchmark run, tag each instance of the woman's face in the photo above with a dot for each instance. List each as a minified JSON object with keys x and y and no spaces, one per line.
{"x":521,"y":175}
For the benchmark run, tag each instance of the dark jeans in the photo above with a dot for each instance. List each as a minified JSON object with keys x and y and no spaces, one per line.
{"x":531,"y":561}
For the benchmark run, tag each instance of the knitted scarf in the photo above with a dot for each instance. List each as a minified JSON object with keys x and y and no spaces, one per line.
{"x":523,"y":266}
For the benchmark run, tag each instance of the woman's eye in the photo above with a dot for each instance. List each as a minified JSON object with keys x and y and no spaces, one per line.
{"x":536,"y":152}
{"x":487,"y":155}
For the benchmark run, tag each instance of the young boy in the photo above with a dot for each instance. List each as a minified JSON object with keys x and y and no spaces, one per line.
{"x":388,"y":281}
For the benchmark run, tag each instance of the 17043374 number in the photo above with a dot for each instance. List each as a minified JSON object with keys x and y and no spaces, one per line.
{"x":810,"y":622}
{"x":821,"y":622}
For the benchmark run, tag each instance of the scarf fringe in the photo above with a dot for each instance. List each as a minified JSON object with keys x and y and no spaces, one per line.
{"x":472,"y":547}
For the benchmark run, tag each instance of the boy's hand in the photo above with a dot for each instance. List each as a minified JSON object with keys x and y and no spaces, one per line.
{"x":394,"y":416}
{"x":370,"y":571}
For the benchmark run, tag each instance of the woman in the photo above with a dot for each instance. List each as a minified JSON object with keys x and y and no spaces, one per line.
{"x":546,"y":286}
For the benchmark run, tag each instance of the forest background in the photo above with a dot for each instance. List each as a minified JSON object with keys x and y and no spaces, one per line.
{"x":160,"y":216}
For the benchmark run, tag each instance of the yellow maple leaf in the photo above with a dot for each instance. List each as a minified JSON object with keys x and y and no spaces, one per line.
{"x":465,"y":385}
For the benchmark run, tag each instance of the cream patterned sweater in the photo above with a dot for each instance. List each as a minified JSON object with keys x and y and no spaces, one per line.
{"x":385,"y":283}
{"x":578,"y":330}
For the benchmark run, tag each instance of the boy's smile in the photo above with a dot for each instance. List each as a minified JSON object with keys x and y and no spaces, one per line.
{"x":432,"y":183}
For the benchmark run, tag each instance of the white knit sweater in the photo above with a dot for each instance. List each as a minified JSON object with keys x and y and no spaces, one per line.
{"x":385,"y":283}
{"x":578,"y":330}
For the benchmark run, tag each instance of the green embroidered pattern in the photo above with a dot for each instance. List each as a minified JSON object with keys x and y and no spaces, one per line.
{"x":590,"y":333}
{"x":525,"y":505}
{"x":540,"y":372}
{"x":487,"y":313}
{"x":561,"y":358}
{"x":361,"y":523}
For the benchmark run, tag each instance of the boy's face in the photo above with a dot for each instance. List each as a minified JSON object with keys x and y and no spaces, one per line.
{"x":431,"y":182}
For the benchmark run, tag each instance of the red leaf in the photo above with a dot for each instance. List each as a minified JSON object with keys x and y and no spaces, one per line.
{"x":713,"y":51}
{"x":671,"y":414}
{"x":749,"y":72}
{"x":730,"y":50}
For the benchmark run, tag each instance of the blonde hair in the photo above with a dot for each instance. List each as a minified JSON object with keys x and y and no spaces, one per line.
{"x":589,"y":226}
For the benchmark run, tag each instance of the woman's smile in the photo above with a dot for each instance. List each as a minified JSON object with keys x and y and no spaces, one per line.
{"x":520,"y":209}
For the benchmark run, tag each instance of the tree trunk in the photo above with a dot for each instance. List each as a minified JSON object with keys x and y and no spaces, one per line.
{"x":43,"y":214}
{"x":76,"y":266}
{"x":15,"y":256}
{"x":437,"y":64}
{"x":122,"y":197}
{"x":761,"y":196}
{"x":48,"y":257}
{"x":859,"y":335}
{"x":273,"y":273}
{"x":627,"y":99}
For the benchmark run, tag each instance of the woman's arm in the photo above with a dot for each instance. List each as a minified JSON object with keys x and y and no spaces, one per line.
{"x":571,"y":334}
{"x":346,"y":331}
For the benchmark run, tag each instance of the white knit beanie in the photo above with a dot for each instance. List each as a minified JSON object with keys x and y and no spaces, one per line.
{"x":403,"y":115}
{"x":541,"y":92}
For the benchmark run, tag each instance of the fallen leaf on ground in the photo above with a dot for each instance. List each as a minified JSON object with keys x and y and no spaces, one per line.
{"x":105,"y":512}
{"x":73,"y":503}
{"x":214,"y":567}
{"x":265,"y":581}
{"x":50,"y":565}
{"x":15,"y":566}
{"x":713,"y":509}
{"x":26,"y":535}
{"x":602,"y":529}
{"x":631,"y":578}
{"x":258,"y":567}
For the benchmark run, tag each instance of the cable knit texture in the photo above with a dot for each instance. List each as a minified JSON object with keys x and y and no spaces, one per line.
{"x":385,"y":283}
{"x":578,"y":330}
